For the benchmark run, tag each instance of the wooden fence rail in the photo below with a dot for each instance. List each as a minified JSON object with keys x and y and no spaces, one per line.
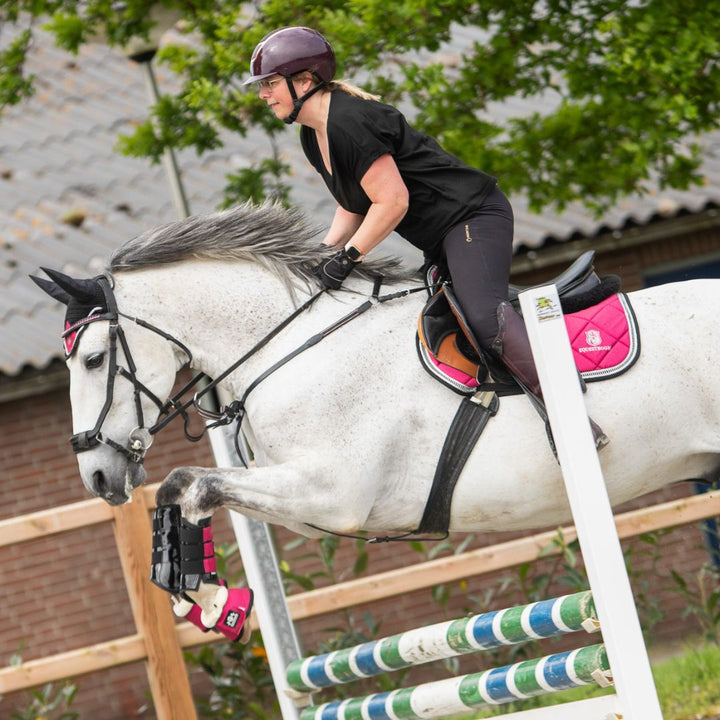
{"x":164,"y":650}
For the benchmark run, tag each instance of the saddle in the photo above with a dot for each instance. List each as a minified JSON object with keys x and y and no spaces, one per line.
{"x":603,"y":334}
{"x":450,"y":354}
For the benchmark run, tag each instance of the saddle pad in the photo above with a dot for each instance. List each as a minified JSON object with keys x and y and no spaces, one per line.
{"x":604,"y":338}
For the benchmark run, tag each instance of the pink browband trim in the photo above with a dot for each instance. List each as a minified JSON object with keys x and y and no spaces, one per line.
{"x":72,"y":332}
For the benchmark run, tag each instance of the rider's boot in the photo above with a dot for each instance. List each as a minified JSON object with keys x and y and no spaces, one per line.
{"x":512,"y":347}
{"x":165,"y":563}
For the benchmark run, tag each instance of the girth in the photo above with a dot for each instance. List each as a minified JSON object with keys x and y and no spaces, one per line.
{"x":470,"y":420}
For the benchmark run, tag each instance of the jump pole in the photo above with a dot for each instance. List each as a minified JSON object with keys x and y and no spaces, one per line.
{"x":590,"y":505}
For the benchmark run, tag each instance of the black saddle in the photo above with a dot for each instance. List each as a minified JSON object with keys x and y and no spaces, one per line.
{"x":574,"y":285}
{"x":445,"y":334}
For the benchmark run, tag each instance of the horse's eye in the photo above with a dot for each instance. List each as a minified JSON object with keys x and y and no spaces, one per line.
{"x":94,"y":361}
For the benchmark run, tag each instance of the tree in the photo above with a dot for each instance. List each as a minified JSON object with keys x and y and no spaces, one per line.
{"x":627,"y":87}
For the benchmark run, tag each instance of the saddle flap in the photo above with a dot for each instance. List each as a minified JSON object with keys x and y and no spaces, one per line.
{"x":436,"y":322}
{"x":443,"y":330}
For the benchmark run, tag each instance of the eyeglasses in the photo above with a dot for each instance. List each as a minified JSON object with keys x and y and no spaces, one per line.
{"x":268,"y":84}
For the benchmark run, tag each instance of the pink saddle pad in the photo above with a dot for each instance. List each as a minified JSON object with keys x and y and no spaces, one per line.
{"x":604,"y":338}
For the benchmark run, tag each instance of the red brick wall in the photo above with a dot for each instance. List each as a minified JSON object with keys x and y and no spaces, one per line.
{"x":67,"y":591}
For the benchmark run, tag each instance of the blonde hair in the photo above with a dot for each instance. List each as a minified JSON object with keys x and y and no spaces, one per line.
{"x":351,"y":89}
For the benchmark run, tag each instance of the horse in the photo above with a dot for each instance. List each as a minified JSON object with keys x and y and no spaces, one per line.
{"x":345,"y":435}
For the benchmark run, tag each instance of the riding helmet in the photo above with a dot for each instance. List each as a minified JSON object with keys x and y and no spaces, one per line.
{"x":291,"y":50}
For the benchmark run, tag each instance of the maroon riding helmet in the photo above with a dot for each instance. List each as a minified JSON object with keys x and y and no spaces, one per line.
{"x":290,"y":50}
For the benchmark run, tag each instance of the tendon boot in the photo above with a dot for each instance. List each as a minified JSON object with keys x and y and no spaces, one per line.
{"x":512,"y":347}
{"x":234,"y":606}
{"x":165,"y":562}
{"x":197,"y":554}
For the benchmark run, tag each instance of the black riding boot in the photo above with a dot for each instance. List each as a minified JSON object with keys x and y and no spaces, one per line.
{"x":512,"y":347}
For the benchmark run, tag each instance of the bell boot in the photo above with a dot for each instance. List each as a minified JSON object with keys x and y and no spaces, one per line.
{"x":236,"y":604}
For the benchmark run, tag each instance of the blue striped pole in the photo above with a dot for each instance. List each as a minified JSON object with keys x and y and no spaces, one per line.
{"x":546,"y":618}
{"x":461,"y":694}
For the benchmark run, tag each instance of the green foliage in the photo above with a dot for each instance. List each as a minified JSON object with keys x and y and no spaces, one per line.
{"x":48,"y":702}
{"x":626,"y":88}
{"x":702,"y":597}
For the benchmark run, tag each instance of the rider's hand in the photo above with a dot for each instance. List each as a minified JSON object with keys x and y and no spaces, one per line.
{"x":333,"y":270}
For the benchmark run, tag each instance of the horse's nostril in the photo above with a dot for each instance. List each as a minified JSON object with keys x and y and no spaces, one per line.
{"x":99,"y":483}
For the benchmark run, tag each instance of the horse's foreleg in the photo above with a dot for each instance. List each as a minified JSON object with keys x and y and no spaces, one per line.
{"x":173,"y":487}
{"x":184,"y":562}
{"x":296,"y":494}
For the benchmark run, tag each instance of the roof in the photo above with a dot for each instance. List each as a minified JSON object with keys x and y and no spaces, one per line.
{"x":67,"y":199}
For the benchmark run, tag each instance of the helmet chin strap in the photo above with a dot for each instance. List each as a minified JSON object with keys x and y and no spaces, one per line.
{"x":298,"y":102}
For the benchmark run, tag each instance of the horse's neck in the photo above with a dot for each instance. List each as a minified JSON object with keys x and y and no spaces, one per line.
{"x":217,"y":309}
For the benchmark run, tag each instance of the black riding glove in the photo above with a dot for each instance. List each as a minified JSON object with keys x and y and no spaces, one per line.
{"x":333,"y":270}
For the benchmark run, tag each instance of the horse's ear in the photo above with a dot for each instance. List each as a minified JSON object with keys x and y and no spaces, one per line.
{"x":52,"y":289}
{"x":85,"y":291}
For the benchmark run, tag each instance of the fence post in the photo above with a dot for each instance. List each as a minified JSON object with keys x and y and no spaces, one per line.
{"x":169,"y":682}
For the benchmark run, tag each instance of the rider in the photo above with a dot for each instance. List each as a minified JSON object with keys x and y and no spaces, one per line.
{"x":385,"y":176}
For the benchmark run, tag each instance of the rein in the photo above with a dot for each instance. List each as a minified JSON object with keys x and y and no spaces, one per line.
{"x":235,"y":411}
{"x":141,"y":437}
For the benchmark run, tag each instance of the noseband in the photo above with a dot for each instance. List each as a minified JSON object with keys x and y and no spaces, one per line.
{"x":141,"y":437}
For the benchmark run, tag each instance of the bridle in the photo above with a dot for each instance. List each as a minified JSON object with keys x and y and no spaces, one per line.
{"x":141,"y":438}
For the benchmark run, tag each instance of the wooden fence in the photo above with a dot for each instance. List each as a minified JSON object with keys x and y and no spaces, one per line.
{"x":159,"y":639}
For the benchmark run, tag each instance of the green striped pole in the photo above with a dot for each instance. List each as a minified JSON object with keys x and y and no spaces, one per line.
{"x":566,"y":614}
{"x":460,"y":694}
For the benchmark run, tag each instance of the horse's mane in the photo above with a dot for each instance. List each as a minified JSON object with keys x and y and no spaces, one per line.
{"x":276,"y":237}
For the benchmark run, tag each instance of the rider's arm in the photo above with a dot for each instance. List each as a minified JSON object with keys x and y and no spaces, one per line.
{"x":342,"y":228}
{"x":388,"y":194}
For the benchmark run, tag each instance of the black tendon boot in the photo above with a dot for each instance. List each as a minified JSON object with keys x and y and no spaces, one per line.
{"x":197,"y":554}
{"x":165,"y":564}
{"x":512,"y":347}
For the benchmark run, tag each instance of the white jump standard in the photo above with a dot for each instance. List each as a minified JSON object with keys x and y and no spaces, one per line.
{"x":591,"y":510}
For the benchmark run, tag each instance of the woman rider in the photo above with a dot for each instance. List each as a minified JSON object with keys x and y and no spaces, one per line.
{"x":386,"y":176}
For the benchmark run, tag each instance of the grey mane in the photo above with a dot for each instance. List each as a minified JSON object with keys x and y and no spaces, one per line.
{"x":269,"y":234}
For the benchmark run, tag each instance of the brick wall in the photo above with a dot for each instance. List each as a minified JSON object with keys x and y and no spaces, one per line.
{"x":67,"y":591}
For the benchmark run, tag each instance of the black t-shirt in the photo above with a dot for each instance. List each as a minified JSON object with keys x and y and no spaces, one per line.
{"x":443,"y":190}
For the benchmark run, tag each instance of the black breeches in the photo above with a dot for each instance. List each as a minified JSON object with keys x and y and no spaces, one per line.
{"x":478,"y":252}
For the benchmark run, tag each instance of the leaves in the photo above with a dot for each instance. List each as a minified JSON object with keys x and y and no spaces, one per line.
{"x":620,"y":91}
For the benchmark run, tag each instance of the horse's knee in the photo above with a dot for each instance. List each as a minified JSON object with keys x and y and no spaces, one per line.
{"x":173,"y":487}
{"x":203,"y":498}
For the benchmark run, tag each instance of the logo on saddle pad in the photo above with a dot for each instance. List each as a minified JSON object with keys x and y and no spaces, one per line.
{"x":593,"y":340}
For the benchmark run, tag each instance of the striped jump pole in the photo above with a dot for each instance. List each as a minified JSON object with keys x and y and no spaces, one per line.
{"x":475,"y":691}
{"x":510,"y":626}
